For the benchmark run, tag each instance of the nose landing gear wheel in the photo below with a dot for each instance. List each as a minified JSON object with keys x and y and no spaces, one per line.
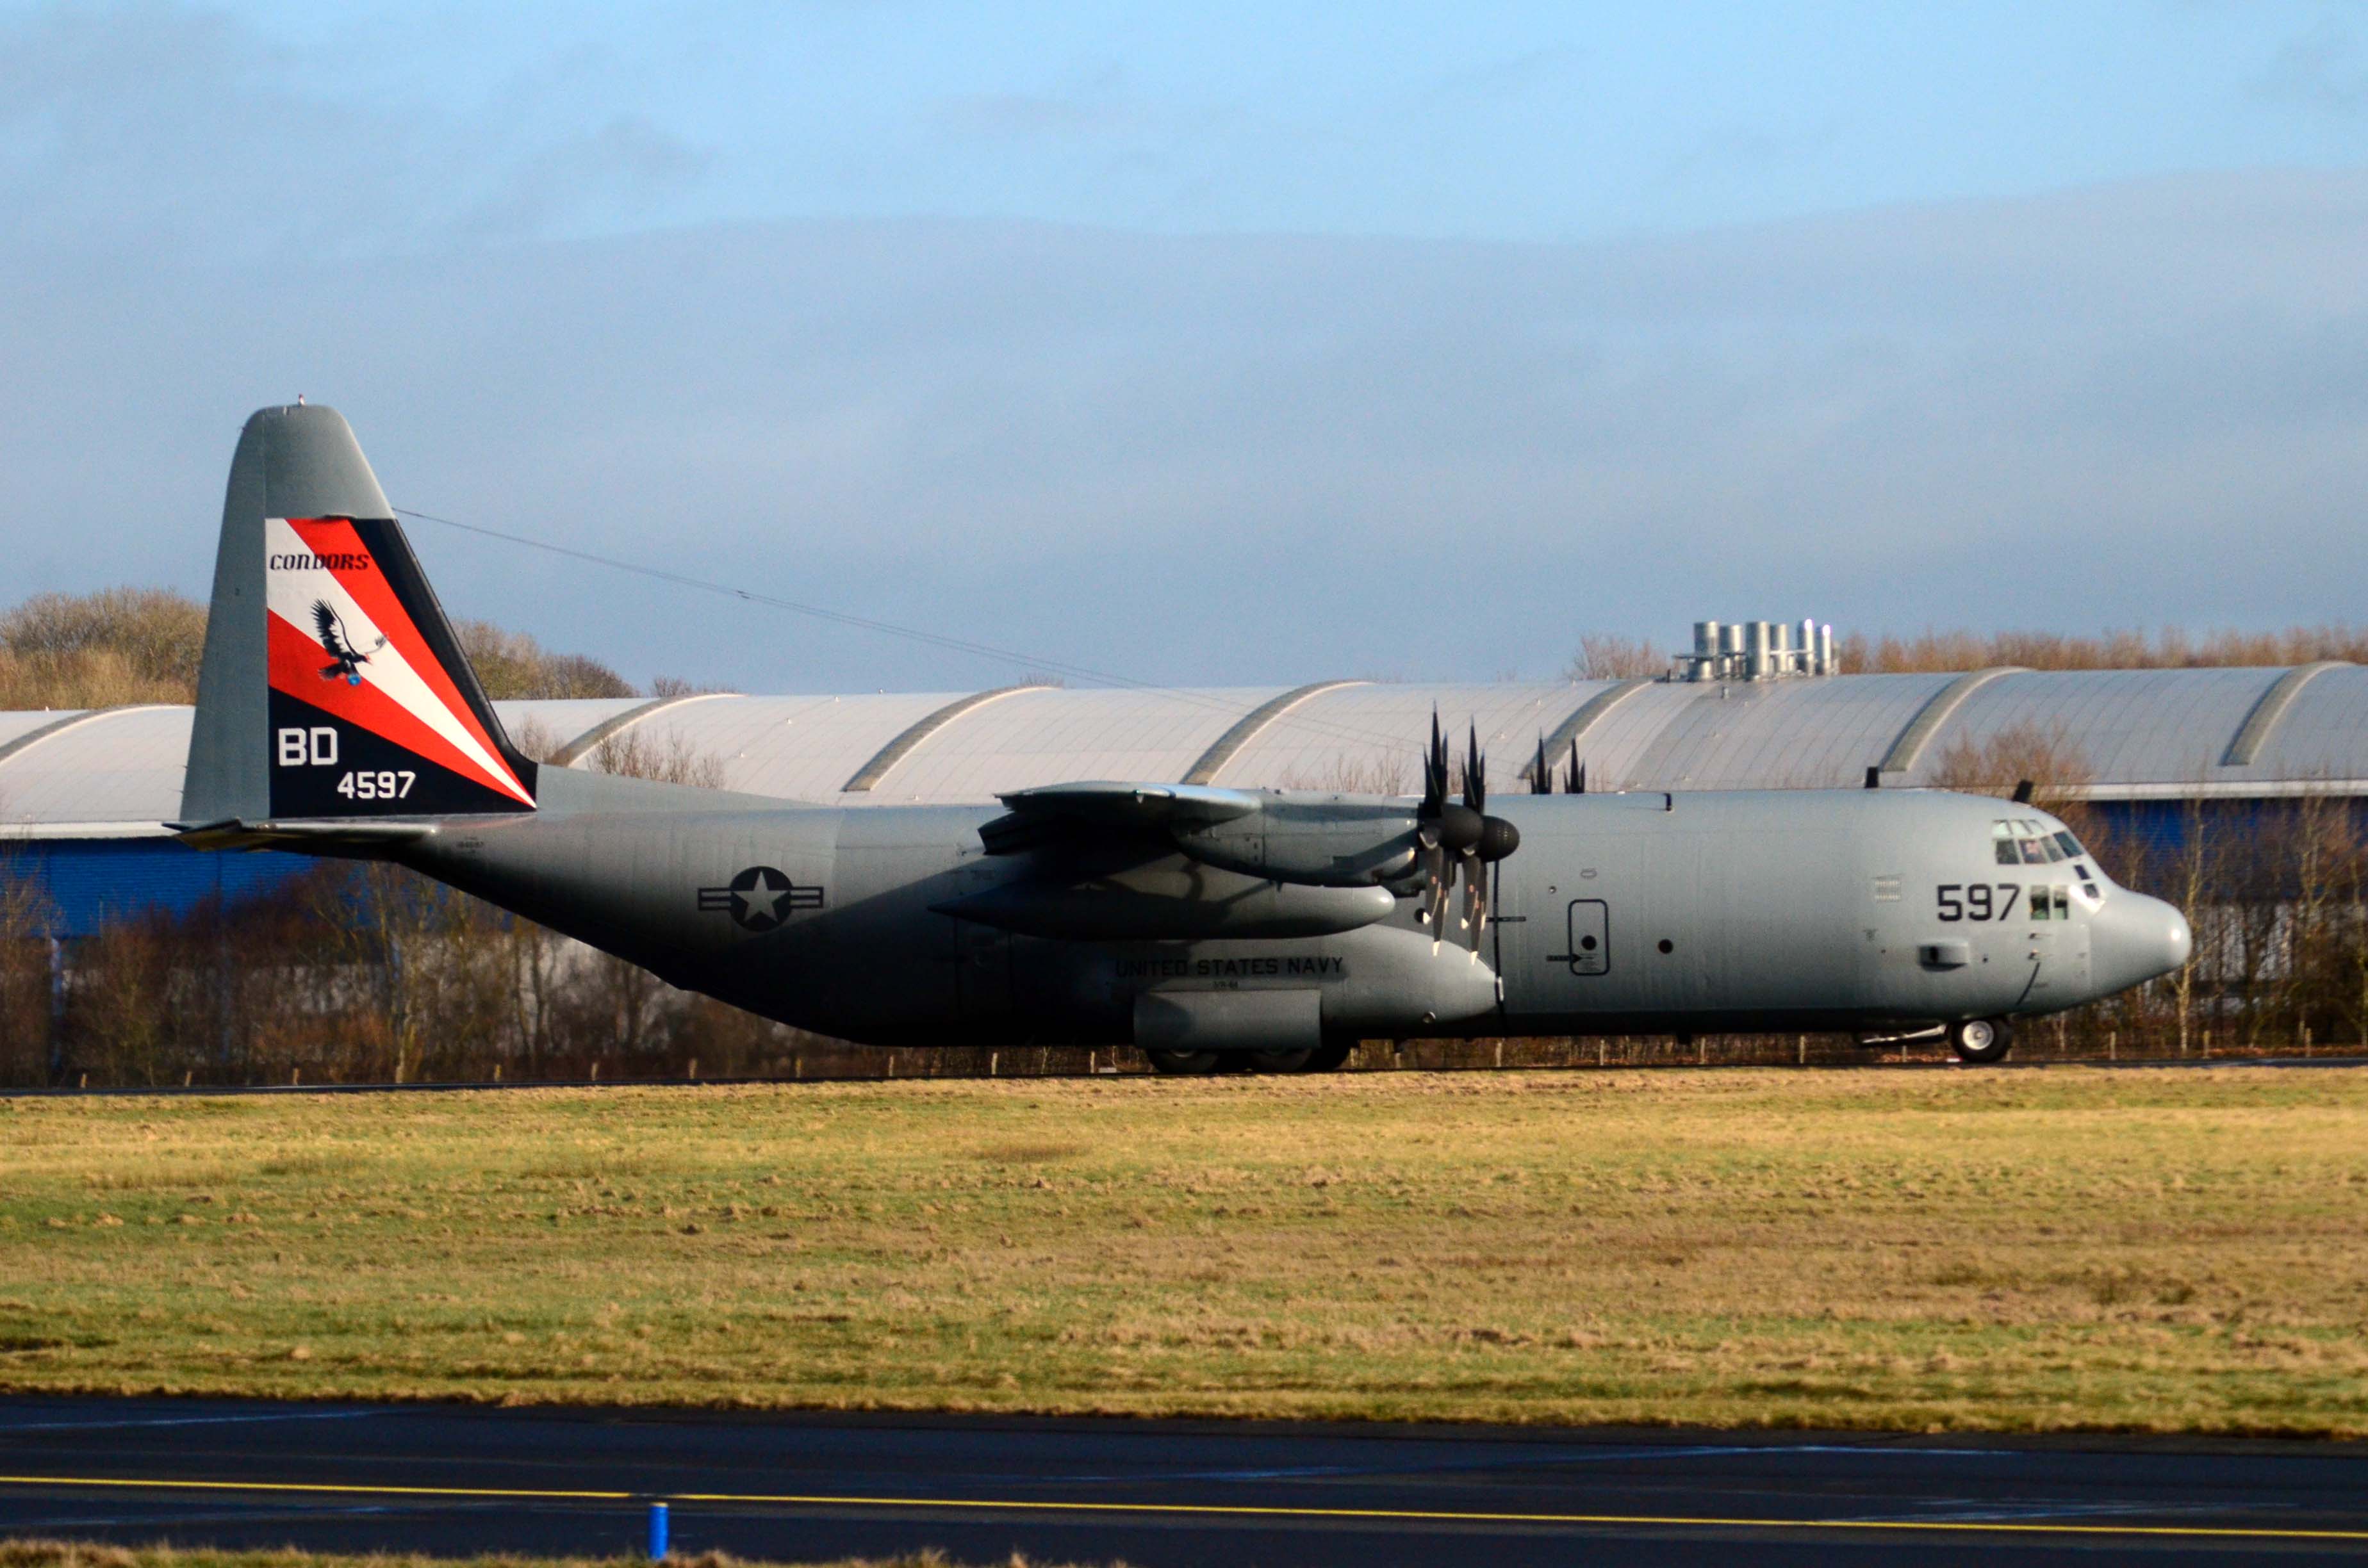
{"x":1981,"y":1039}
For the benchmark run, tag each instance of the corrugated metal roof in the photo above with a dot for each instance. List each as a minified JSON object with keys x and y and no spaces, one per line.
{"x":802,"y":748}
{"x":1372,"y":737}
{"x":2140,"y":732}
{"x":2323,"y":734}
{"x":117,"y":767}
{"x":1052,"y":736}
{"x":2149,"y":726}
{"x":1790,"y":735}
{"x":13,"y":725}
{"x":540,"y":727}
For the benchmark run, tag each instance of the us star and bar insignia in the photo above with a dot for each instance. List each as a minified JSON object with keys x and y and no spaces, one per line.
{"x":759,"y":898}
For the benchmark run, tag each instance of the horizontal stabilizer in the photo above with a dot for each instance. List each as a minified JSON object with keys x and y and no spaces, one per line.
{"x":352,"y":836}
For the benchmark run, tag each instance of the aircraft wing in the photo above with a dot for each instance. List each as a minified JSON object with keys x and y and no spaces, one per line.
{"x":1040,"y":815}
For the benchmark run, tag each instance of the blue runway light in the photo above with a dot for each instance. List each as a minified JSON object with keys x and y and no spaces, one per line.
{"x":657,"y":1532}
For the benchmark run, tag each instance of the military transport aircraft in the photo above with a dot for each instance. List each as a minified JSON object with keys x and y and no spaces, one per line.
{"x":1212,"y":927}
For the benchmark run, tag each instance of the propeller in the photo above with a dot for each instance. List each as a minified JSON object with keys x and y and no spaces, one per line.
{"x":1457,"y":840}
{"x":1440,"y":832}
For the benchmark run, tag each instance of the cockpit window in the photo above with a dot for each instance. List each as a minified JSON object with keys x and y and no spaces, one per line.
{"x":2069,"y":845}
{"x":2046,"y":840}
{"x":2023,"y":842}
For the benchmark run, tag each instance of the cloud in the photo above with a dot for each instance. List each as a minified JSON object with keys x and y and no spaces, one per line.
{"x":2321,"y":69}
{"x":624,"y":165}
{"x":1092,"y":103}
{"x":1244,"y":459}
{"x":152,"y":129}
{"x":1488,"y":85}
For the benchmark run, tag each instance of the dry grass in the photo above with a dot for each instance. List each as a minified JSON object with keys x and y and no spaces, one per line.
{"x":84,"y":1554}
{"x":2155,"y":1250}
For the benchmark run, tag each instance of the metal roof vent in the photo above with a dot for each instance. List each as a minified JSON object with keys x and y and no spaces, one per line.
{"x":1755,"y":651}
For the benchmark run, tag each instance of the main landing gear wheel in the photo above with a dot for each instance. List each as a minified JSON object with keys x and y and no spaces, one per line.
{"x":1185,"y":1063}
{"x":1981,"y":1039}
{"x":1202,"y":1063}
{"x":1330,"y":1057}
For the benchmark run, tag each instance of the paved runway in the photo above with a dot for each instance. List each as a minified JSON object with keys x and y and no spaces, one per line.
{"x":450,"y":1479}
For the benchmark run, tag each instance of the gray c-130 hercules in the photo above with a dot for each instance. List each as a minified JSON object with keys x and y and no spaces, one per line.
{"x":1212,"y":927}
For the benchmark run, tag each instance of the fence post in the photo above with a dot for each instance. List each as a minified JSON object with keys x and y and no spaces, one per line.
{"x":657,"y":1532}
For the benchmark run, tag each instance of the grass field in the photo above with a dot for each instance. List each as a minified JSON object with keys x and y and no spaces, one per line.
{"x":2143,"y":1249}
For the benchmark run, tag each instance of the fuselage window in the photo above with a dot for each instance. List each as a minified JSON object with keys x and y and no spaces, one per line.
{"x":2041,"y":906}
{"x":2063,"y":902}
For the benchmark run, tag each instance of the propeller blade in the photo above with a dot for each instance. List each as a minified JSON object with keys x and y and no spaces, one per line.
{"x":1475,"y":773}
{"x":1436,"y":870}
{"x":1434,"y":772}
{"x":1540,"y":776}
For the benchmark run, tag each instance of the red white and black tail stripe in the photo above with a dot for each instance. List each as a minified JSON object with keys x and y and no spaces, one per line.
{"x":373,"y":709}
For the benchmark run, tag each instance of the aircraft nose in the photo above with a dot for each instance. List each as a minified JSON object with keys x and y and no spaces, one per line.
{"x":2136,"y":938}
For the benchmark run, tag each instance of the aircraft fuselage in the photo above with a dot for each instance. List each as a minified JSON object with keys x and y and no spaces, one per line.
{"x":1620,"y":913}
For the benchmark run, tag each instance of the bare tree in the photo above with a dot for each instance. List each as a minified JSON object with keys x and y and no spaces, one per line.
{"x":2192,"y":889}
{"x":2046,"y":755}
{"x":26,"y":925}
{"x":1604,"y":656}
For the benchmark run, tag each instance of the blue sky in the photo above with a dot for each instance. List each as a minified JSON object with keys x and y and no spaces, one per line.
{"x":1035,"y":325}
{"x":1521,"y":122}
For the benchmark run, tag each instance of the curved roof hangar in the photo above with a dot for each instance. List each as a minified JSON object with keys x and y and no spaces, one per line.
{"x":2140,"y":733}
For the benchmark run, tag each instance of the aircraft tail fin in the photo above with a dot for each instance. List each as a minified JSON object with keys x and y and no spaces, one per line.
{"x":333,"y":690}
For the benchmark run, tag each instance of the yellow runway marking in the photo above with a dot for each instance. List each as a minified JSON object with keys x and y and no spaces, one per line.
{"x":1196,"y":1510}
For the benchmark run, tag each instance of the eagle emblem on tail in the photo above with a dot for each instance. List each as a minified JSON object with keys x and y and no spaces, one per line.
{"x":346,"y":659}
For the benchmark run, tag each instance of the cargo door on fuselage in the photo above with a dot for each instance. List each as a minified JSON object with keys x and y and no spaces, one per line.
{"x":1587,"y":925}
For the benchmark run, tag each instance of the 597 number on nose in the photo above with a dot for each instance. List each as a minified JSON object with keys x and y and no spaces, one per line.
{"x":1977,"y":901}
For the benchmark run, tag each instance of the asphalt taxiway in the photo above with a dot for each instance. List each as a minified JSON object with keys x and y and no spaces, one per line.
{"x":451,"y":1480}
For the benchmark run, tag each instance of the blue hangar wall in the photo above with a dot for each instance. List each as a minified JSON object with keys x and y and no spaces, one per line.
{"x":86,"y":884}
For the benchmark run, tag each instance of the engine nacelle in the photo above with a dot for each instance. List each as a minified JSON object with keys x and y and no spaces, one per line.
{"x":1324,"y":841}
{"x":1171,"y":900}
